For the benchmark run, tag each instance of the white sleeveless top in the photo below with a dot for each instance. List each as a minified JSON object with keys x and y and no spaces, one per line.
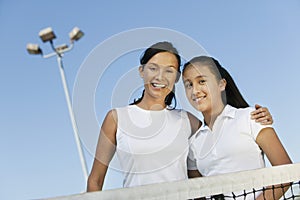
{"x":152,"y":146}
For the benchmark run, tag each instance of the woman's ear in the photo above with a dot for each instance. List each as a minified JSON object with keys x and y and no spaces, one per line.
{"x":222,"y":84}
{"x":177,"y":76}
{"x":141,"y":71}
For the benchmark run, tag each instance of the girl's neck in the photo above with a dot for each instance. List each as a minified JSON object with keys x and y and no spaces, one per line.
{"x":211,"y":115}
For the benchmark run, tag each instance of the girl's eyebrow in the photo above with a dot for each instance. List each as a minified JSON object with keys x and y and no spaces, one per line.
{"x":197,"y":77}
{"x":200,"y":76}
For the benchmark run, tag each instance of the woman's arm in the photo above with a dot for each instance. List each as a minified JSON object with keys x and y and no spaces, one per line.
{"x":105,"y":150}
{"x":194,"y":174}
{"x":194,"y":122}
{"x":262,"y":115}
{"x":270,"y":144}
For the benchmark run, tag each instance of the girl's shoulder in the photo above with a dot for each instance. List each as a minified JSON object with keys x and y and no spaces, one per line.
{"x":246,"y":110}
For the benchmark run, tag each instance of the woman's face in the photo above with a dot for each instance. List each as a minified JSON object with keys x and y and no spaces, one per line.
{"x":202,"y":88}
{"x":159,"y":75}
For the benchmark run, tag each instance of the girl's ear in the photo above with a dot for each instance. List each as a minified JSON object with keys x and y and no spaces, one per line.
{"x":141,"y":71}
{"x":222,"y":84}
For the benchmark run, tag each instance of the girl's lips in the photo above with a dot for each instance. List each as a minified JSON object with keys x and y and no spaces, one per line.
{"x":198,"y":99}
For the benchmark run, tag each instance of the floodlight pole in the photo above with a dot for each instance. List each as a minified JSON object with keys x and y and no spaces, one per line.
{"x":71,"y":113}
{"x":59,"y":55}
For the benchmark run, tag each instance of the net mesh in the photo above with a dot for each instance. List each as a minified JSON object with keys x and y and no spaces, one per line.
{"x":265,"y":192}
{"x":267,"y":183}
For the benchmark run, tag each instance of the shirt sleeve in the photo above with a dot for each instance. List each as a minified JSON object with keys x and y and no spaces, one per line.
{"x":255,"y":126}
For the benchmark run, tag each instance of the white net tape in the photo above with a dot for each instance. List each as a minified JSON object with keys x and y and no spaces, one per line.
{"x":205,"y":186}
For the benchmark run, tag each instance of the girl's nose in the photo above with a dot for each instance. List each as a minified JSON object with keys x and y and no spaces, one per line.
{"x":195,"y":90}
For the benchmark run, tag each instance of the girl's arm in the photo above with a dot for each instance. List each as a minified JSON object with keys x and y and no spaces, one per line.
{"x":105,"y":150}
{"x":270,"y":144}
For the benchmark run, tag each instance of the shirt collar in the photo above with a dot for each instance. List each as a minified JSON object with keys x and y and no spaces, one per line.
{"x":228,"y":111}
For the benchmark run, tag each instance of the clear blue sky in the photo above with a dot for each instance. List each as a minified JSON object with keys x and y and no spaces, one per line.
{"x":257,"y":41}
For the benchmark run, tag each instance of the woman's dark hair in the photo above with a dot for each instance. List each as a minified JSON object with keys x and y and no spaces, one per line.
{"x":152,"y":51}
{"x":231,"y":95}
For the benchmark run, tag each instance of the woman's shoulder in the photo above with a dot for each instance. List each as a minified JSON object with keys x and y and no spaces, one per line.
{"x":180,"y":112}
{"x":122,"y":108}
{"x":111,"y":114}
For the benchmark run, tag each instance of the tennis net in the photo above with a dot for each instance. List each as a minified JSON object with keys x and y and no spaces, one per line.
{"x":267,"y":182}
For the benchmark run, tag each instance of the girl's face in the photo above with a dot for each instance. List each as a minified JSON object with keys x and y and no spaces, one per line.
{"x":202,"y":88}
{"x":159,"y":75}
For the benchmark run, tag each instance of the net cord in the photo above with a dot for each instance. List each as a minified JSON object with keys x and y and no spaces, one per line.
{"x":204,"y":186}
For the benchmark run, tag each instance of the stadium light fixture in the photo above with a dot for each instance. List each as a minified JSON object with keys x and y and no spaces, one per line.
{"x":34,"y":48}
{"x":75,"y":34}
{"x":47,"y":35}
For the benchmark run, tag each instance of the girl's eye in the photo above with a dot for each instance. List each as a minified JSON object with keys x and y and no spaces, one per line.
{"x":188,"y":85}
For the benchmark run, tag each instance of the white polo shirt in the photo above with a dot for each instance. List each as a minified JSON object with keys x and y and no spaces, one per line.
{"x":229,"y":147}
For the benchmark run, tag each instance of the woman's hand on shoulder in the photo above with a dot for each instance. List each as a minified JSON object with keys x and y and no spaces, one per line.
{"x":262,"y":115}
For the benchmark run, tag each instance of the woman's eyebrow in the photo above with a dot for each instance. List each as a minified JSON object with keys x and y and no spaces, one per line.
{"x":157,"y":65}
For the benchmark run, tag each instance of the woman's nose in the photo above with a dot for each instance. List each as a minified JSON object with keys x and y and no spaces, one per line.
{"x":160,"y":74}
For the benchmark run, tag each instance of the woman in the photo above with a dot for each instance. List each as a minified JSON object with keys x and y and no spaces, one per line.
{"x":150,"y":137}
{"x":228,"y":141}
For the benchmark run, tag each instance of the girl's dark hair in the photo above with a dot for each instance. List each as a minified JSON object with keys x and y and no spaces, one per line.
{"x":152,"y":51}
{"x":231,"y":95}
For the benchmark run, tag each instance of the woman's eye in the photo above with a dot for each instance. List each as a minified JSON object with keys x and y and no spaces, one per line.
{"x":170,"y":71}
{"x":202,"y":82}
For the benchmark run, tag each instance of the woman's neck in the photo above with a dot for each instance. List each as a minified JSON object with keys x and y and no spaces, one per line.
{"x":152,"y":104}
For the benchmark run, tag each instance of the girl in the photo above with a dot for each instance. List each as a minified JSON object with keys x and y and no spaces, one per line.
{"x":228,"y":141}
